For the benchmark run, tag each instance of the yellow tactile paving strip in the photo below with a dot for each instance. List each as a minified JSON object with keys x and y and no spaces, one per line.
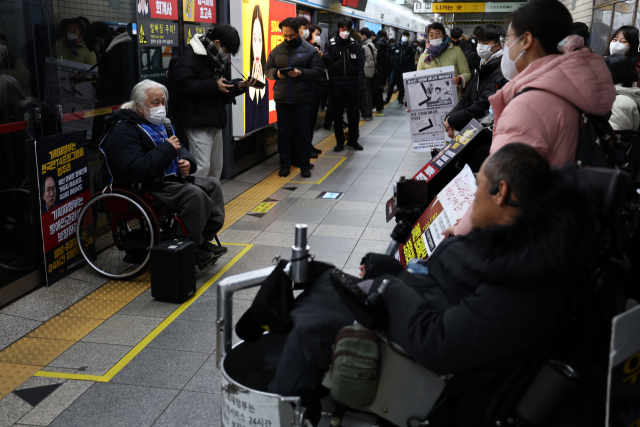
{"x":26,"y":357}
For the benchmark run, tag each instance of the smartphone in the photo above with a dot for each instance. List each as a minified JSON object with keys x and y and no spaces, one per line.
{"x":284,"y":71}
{"x":259,"y":84}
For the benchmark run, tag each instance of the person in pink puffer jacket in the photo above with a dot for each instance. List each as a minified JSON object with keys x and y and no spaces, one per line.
{"x":540,"y":53}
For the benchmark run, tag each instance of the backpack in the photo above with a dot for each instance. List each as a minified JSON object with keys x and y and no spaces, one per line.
{"x":355,"y":369}
{"x":598,"y":144}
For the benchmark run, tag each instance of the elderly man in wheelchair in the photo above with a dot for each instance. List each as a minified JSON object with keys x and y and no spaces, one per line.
{"x":140,"y":155}
{"x":488,"y":310}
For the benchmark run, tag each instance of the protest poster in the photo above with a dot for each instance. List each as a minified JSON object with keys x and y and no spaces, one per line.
{"x":623,"y":394}
{"x":63,"y":178}
{"x":74,"y":97}
{"x":430,"y":95}
{"x":444,"y":211}
{"x":452,"y":149}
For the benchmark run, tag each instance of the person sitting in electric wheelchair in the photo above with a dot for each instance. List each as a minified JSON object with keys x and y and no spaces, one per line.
{"x":489,"y":299}
{"x":138,"y":150}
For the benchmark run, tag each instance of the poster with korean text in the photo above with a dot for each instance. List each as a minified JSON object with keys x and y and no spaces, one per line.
{"x":63,"y":178}
{"x":199,"y":11}
{"x":430,"y":95}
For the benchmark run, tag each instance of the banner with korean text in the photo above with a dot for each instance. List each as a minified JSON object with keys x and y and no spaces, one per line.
{"x":63,"y":177}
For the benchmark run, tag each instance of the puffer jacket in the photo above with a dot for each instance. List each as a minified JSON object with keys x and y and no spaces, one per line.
{"x":624,"y":114}
{"x":370,"y":58}
{"x":304,"y":57}
{"x":474,"y":103}
{"x":549,"y":119}
{"x":198,"y":101}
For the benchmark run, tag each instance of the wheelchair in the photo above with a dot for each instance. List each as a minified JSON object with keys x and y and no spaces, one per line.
{"x":127,"y":222}
{"x":407,"y":392}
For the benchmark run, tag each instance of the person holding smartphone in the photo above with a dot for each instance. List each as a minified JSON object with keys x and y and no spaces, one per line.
{"x":294,"y":65}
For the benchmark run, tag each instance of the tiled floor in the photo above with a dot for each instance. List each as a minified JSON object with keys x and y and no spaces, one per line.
{"x":173,"y":381}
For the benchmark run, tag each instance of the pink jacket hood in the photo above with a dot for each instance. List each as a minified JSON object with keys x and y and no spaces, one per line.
{"x":580,"y":77}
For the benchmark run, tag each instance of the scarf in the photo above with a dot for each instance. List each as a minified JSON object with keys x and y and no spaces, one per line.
{"x":159,"y":134}
{"x":73,"y":45}
{"x":219,"y":64}
{"x":434,"y":51}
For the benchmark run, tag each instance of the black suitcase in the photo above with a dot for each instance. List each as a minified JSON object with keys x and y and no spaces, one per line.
{"x":173,"y":270}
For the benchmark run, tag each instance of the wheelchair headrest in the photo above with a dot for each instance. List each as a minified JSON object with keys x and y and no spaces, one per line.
{"x":610,"y":186}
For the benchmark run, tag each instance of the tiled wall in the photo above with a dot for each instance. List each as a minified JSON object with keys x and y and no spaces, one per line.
{"x":94,"y":10}
{"x":582,"y":12}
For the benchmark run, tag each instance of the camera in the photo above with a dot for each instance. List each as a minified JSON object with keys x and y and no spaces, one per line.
{"x":234,"y":82}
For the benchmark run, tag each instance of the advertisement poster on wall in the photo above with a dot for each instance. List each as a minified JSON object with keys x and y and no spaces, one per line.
{"x":260,"y":34}
{"x":63,"y":178}
{"x":199,"y":11}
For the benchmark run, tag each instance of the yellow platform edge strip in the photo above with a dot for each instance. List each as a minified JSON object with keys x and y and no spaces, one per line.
{"x":342,"y":159}
{"x":154,"y":333}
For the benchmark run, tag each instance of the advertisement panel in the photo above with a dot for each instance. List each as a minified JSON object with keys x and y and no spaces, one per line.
{"x":63,"y":176}
{"x":199,"y":11}
{"x":157,"y":9}
{"x":260,"y":20}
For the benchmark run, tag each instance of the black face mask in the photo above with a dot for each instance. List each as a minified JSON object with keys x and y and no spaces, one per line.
{"x":293,"y":43}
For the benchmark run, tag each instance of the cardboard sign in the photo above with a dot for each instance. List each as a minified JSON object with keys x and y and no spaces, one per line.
{"x":430,"y":96}
{"x":443,"y":212}
{"x":623,"y":395}
{"x":63,"y":177}
{"x":451,"y":150}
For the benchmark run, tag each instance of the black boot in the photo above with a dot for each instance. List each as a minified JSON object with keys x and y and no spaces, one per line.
{"x":284,"y":171}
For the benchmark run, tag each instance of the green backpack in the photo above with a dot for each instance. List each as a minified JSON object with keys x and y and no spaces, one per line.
{"x":356,"y":366}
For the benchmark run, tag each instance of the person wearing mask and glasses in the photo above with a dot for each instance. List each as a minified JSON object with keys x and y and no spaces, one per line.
{"x":441,"y":52}
{"x":295,"y":65}
{"x":540,"y":53}
{"x":626,"y":41}
{"x":486,"y":81}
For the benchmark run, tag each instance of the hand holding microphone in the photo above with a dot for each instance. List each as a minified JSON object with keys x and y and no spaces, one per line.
{"x":172,"y":138}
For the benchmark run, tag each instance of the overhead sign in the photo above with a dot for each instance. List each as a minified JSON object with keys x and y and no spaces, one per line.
{"x":466,"y":7}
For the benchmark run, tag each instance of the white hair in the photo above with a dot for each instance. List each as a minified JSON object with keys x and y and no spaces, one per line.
{"x":139,"y":94}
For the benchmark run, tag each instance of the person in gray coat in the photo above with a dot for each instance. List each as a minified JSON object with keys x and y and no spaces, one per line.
{"x":295,"y":65}
{"x":624,"y":113}
{"x":370,"y":60}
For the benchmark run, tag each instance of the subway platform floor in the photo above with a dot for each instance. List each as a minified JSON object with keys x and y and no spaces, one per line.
{"x":89,"y":352}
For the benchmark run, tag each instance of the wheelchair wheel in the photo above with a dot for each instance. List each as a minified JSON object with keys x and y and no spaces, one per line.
{"x":125,"y":231}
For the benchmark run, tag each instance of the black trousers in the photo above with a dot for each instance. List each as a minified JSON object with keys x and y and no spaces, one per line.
{"x":293,"y":120}
{"x":345,"y":96}
{"x":396,"y":79}
{"x":378,"y":102}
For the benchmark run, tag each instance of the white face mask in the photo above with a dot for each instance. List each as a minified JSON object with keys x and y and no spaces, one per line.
{"x":316,"y":39}
{"x":405,"y":39}
{"x":72,"y":36}
{"x":344,"y":34}
{"x":435,"y":42}
{"x":3,"y":49}
{"x":617,"y":48}
{"x":507,"y":65}
{"x":305,"y":34}
{"x":156,"y":115}
{"x":484,"y":51}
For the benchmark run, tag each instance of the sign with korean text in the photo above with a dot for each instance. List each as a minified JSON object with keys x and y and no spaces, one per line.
{"x":443,"y":212}
{"x":451,"y":150}
{"x":63,"y":177}
{"x":623,"y":394}
{"x":158,"y":33}
{"x":242,"y":409}
{"x":190,"y":30}
{"x":466,"y":7}
{"x":199,"y":11}
{"x":431,"y":94}
{"x":502,"y":7}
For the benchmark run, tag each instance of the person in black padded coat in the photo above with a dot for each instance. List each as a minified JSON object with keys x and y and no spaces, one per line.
{"x":486,"y":81}
{"x":489,"y":298}
{"x":293,"y":92}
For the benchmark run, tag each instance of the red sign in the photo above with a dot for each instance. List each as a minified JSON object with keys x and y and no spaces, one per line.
{"x":164,"y":9}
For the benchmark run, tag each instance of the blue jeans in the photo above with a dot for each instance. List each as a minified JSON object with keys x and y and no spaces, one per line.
{"x":290,"y":116}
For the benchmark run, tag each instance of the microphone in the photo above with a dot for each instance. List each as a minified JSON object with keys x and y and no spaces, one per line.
{"x":167,"y":126}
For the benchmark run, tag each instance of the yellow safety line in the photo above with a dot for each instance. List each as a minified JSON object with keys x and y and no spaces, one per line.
{"x":161,"y":327}
{"x":342,"y":159}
